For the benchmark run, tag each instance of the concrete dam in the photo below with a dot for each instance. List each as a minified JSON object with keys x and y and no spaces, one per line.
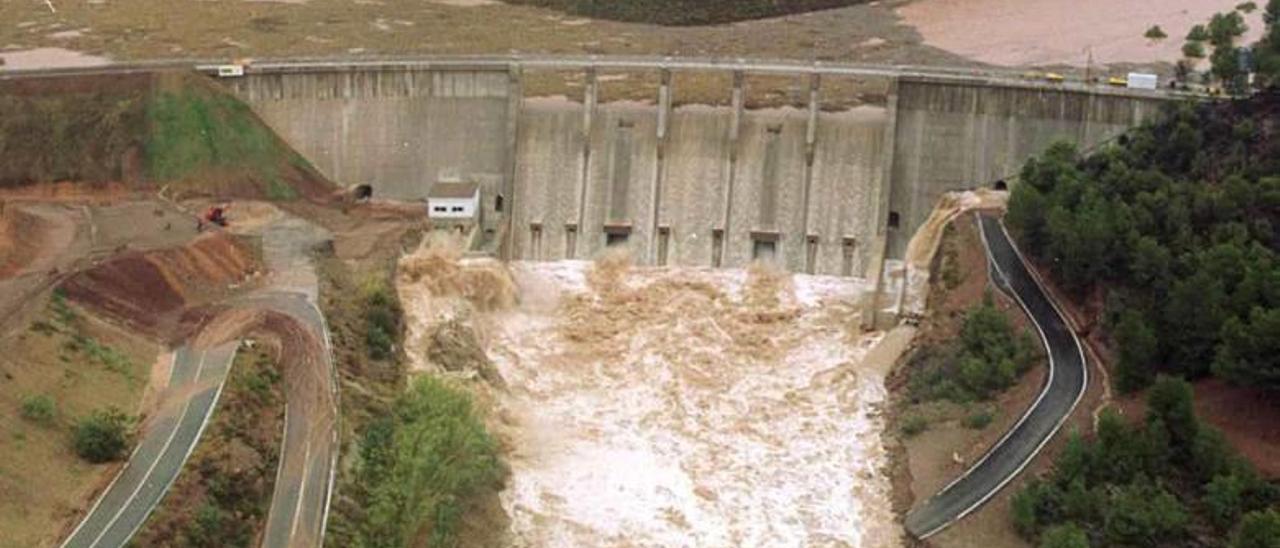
{"x":816,"y":185}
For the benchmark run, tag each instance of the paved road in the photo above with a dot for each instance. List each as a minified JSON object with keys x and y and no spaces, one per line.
{"x":1068,"y":377}
{"x":195,"y":382}
{"x":309,"y":450}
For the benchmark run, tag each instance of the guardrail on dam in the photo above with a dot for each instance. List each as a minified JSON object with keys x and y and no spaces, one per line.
{"x":824,"y":190}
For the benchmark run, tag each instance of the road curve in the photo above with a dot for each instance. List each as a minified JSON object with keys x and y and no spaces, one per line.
{"x":195,"y":382}
{"x":287,"y":306}
{"x":1068,"y":377}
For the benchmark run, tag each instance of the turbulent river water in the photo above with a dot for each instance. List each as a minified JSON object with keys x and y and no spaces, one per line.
{"x":687,"y":407}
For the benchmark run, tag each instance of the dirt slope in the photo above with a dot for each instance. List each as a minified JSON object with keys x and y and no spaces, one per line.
{"x":145,"y":288}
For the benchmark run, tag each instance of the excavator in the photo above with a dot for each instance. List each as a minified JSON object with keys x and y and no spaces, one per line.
{"x":216,"y":215}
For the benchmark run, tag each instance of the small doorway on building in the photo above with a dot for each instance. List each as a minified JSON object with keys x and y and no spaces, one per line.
{"x":1000,"y":185}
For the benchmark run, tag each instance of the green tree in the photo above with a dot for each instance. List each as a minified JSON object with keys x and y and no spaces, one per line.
{"x":1198,"y":33}
{"x":1249,"y":351}
{"x":1224,"y":28}
{"x":1143,"y":514}
{"x":423,"y":467}
{"x":1171,"y":402}
{"x":1068,"y":535}
{"x":1223,"y":498}
{"x":102,"y":436}
{"x":1259,"y":529}
{"x":1026,"y":216}
{"x":1155,"y":33}
{"x":1138,"y":348}
{"x":1193,"y":50}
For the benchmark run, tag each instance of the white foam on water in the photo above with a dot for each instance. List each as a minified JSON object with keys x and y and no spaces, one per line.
{"x":682,"y":433}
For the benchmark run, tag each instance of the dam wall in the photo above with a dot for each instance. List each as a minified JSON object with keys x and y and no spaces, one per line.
{"x":398,"y":130}
{"x":955,"y":135}
{"x":819,"y":187}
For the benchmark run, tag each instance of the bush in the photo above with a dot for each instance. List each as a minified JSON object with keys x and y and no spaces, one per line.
{"x":1064,"y":536}
{"x":382,"y":315}
{"x":102,"y":436}
{"x":1193,"y":50}
{"x":978,"y":420}
{"x":1198,"y":33}
{"x":1223,"y":498}
{"x":1143,"y":514}
{"x":39,"y":409}
{"x":1258,"y":530}
{"x":987,"y":358}
{"x":914,"y":425}
{"x":421,"y":466}
{"x":1155,"y":33}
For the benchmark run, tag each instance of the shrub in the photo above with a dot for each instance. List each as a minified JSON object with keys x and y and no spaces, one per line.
{"x":1064,"y":536}
{"x":1198,"y":33}
{"x":1258,"y":530}
{"x":978,"y":420}
{"x":382,"y":315}
{"x":39,"y":409}
{"x":421,"y":466}
{"x":1223,"y":500}
{"x":1143,"y":514}
{"x":101,"y":436}
{"x":1155,"y":33}
{"x":914,"y":425}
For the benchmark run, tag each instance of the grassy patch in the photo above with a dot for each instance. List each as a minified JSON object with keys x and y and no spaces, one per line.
{"x":686,"y":12}
{"x":39,"y":409}
{"x":44,"y":388}
{"x":195,"y":131}
{"x":78,"y":344}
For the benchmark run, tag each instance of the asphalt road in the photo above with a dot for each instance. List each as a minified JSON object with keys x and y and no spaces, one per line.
{"x":309,"y":450}
{"x":1066,"y":383}
{"x":195,"y":382}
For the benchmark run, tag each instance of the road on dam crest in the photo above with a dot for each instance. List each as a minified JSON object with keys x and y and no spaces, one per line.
{"x":195,"y":382}
{"x":1068,"y":377}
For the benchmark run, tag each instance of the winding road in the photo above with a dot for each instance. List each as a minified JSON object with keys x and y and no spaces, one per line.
{"x":1067,"y":380}
{"x":286,"y":306}
{"x":195,"y":382}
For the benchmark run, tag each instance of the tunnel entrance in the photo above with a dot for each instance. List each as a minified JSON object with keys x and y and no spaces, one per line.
{"x":1000,"y":185}
{"x":363,"y":192}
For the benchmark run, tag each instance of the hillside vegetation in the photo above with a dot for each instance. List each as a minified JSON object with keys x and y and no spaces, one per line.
{"x":1174,"y":230}
{"x":1169,"y":481}
{"x":686,"y":12}
{"x":170,"y":129}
